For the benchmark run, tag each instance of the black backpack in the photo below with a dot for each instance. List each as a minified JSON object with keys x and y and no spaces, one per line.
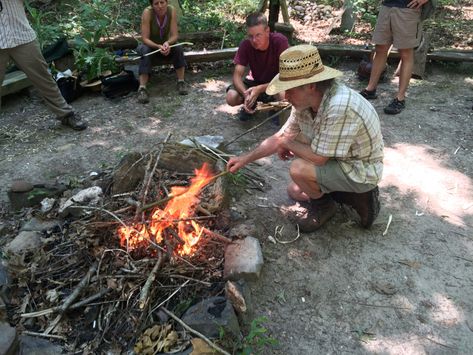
{"x":118,"y":85}
{"x":70,"y":88}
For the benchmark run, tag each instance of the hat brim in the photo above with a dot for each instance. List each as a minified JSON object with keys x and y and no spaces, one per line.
{"x":276,"y":85}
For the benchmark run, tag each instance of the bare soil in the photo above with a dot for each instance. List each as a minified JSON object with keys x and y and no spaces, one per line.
{"x":402,"y":289}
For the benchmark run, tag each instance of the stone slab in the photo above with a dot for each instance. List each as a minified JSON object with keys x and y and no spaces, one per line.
{"x":243,"y":260}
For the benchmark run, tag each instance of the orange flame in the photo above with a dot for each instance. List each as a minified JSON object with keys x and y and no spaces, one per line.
{"x":177,"y":215}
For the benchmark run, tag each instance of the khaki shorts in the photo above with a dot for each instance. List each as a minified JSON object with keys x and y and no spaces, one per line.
{"x":331,"y":177}
{"x":400,"y":27}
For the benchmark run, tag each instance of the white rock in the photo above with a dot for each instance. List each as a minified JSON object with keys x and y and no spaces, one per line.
{"x":90,"y":197}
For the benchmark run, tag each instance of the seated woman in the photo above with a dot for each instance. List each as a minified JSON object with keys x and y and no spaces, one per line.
{"x":159,"y":31}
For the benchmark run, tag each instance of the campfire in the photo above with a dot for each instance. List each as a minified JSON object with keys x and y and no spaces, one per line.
{"x":154,"y":241}
{"x":176,"y":222}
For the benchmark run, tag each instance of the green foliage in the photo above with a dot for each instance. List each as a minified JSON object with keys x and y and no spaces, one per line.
{"x":89,"y":59}
{"x":46,"y":29}
{"x":238,"y":178}
{"x":89,"y":25}
{"x":257,"y":338}
{"x":210,"y":15}
{"x":367,"y":9}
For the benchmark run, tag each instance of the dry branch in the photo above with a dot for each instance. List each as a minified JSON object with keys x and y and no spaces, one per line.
{"x":84,"y":282}
{"x":217,"y":236}
{"x":200,"y":335}
{"x":152,"y":276}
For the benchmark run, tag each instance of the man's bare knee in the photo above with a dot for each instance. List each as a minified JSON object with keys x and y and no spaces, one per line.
{"x":233,"y":98}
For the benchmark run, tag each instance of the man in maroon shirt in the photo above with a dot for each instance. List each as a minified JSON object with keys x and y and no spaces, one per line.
{"x":260,"y":52}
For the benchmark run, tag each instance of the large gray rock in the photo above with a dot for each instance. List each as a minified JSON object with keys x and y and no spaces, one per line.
{"x":8,"y":339}
{"x":130,"y":172}
{"x":39,"y":225}
{"x":23,"y":242}
{"x":243,"y":260}
{"x":212,"y":314}
{"x":35,"y":346}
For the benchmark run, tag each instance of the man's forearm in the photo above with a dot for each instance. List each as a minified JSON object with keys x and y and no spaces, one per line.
{"x":305,"y":152}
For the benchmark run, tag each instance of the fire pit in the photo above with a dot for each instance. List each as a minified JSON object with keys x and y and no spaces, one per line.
{"x":102,"y":279}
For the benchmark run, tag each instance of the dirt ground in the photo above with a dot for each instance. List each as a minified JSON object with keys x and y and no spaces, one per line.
{"x":405,"y":289}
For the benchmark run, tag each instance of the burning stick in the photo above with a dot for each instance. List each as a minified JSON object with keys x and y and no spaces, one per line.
{"x":171,"y":196}
{"x":149,"y":176}
{"x":218,"y":236}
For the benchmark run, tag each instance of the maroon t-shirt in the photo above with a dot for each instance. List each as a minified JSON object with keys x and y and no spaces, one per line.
{"x":264,"y":65}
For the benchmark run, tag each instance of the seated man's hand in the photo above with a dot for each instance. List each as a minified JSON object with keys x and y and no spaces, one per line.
{"x":251,"y":95}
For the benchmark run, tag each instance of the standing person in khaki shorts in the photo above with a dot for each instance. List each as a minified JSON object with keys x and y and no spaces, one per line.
{"x":399,"y":25}
{"x":18,"y":42}
{"x":334,"y":136}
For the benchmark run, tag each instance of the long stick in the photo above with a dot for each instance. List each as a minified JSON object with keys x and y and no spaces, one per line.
{"x":171,"y":196}
{"x":85,"y":280}
{"x":200,"y":335}
{"x":258,"y":125}
{"x":152,"y":276}
{"x":133,"y":59}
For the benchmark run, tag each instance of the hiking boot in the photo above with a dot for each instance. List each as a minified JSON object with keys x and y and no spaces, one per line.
{"x":395,"y":107}
{"x":369,"y":94}
{"x":314,"y":214}
{"x":181,"y":88}
{"x":74,"y":121}
{"x":366,"y":204}
{"x":143,"y":96}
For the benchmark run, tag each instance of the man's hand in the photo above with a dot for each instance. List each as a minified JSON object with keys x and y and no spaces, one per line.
{"x":250,"y":95}
{"x":285,"y":154}
{"x":165,"y":48}
{"x":235,"y":164}
{"x":416,"y":4}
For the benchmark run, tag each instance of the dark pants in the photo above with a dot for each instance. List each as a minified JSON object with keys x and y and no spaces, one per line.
{"x":146,"y":63}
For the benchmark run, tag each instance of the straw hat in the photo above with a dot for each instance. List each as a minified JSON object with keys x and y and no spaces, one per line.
{"x":300,"y":65}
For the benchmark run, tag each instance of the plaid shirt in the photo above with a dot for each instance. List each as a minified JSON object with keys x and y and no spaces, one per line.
{"x":346,"y":128}
{"x":15,"y":29}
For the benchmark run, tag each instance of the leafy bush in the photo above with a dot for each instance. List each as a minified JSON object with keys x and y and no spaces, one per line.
{"x":46,"y":29}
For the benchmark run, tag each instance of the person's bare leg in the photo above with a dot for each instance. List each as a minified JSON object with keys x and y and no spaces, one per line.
{"x":379,"y":63}
{"x":303,"y":176}
{"x":144,"y":78}
{"x":233,"y":98}
{"x":407,"y":64}
{"x":180,"y":73}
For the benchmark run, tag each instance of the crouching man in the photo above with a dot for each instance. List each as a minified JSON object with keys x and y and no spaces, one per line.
{"x":334,"y":136}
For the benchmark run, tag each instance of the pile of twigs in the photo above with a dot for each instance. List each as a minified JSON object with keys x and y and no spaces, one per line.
{"x":84,"y":289}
